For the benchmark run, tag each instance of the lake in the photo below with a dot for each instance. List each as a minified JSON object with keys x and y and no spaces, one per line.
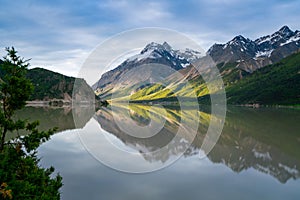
{"x":257,"y":156}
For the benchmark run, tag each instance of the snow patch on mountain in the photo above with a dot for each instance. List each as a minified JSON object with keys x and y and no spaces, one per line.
{"x":264,"y":53}
{"x":264,"y":156}
{"x":295,"y":38}
{"x":189,"y":54}
{"x":241,"y":48}
{"x":154,"y":51}
{"x":143,"y":56}
{"x":289,"y":169}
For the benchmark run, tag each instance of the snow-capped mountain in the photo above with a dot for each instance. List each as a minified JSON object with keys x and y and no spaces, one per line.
{"x":155,"y":53}
{"x":277,"y":39}
{"x":238,"y":48}
{"x":251,"y":55}
{"x":155,"y":50}
{"x":243,"y":54}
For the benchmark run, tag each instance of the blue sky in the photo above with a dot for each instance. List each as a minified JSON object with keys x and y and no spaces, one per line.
{"x":59,"y":35}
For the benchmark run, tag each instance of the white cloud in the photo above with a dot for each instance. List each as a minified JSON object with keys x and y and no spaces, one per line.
{"x":66,"y":62}
{"x":138,"y":12}
{"x":50,"y":41}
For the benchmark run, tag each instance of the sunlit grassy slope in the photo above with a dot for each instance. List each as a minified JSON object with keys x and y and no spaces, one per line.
{"x":274,"y":84}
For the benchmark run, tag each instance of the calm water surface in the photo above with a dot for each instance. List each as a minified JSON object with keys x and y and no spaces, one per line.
{"x":256,"y":157}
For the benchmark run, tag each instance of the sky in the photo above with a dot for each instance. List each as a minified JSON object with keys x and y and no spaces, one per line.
{"x":60,"y":35}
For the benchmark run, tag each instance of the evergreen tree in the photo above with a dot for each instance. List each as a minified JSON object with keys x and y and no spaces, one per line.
{"x":20,"y":175}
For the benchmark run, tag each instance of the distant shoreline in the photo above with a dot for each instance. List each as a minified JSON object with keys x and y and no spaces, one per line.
{"x":63,"y":103}
{"x":56,"y":102}
{"x":69,"y":103}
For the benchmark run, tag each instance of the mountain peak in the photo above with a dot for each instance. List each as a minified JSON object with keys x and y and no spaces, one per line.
{"x":156,"y":46}
{"x":239,"y":38}
{"x":285,"y":29}
{"x":261,"y":52}
{"x":279,"y":38}
{"x":152,"y":45}
{"x":284,"y":32}
{"x":166,"y":46}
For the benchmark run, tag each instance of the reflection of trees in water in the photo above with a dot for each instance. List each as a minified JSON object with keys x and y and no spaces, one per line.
{"x":50,"y":117}
{"x":264,"y":139}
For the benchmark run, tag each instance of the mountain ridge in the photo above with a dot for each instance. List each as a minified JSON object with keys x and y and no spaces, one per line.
{"x":236,"y":60}
{"x":251,"y":55}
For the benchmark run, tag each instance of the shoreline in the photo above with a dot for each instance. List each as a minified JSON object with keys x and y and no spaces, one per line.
{"x":62,"y":103}
{"x":54,"y":102}
{"x":70,"y":103}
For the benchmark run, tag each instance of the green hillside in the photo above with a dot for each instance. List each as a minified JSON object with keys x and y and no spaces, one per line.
{"x":49,"y":85}
{"x":273,"y":84}
{"x":52,"y":85}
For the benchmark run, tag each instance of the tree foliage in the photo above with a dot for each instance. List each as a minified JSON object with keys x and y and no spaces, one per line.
{"x":49,"y":85}
{"x":274,"y":84}
{"x":20,"y":175}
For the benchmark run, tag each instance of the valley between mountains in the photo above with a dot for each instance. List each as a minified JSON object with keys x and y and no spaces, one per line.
{"x":264,"y":71}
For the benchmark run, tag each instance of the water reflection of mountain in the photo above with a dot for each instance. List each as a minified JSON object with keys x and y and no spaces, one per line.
{"x":266,"y":140}
{"x":146,"y":146}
